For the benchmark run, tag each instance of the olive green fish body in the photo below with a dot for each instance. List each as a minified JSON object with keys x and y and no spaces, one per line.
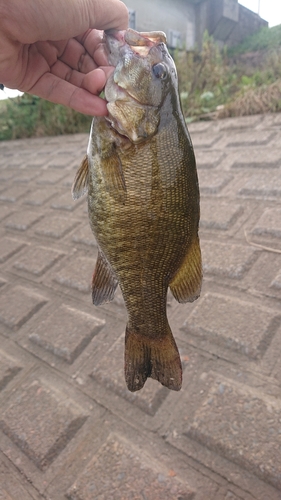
{"x":143,"y":200}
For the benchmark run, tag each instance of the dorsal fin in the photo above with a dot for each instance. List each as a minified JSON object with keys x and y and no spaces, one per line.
{"x":80,"y":184}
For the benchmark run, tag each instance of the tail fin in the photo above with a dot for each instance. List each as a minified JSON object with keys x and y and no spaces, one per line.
{"x":156,"y":358}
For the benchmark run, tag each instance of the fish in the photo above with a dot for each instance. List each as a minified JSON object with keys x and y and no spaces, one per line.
{"x":143,"y":202}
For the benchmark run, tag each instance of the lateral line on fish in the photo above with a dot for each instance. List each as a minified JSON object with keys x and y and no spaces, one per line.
{"x":263,"y":247}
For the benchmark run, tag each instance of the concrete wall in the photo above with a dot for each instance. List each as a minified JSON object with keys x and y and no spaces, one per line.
{"x":166,"y":15}
{"x":249,"y":22}
{"x":185,"y":21}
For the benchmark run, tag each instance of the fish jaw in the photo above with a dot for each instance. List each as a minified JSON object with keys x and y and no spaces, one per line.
{"x":144,"y":75}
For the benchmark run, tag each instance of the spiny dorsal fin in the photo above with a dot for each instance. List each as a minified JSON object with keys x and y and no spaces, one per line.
{"x":186,"y":284}
{"x":80,"y":184}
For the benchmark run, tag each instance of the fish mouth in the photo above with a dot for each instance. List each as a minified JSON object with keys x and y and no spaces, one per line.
{"x":139,"y":42}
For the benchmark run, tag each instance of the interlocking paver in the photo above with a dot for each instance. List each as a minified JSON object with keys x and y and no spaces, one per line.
{"x":43,"y":438}
{"x":217,"y":215}
{"x":213,"y":182}
{"x":8,"y":370}
{"x":76,"y":274}
{"x":133,"y":476}
{"x":69,"y":428}
{"x":23,"y":220}
{"x":243,"y":425}
{"x":53,"y":226}
{"x":37,"y":259}
{"x":18,"y":304}
{"x":9,"y":247}
{"x":66,"y":333}
{"x":239,"y":325}
{"x":262,"y":185}
{"x":228,"y":260}
{"x":13,"y":194}
{"x":269,"y":223}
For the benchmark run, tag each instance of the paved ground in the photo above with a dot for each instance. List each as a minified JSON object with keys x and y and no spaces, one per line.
{"x":69,"y":429}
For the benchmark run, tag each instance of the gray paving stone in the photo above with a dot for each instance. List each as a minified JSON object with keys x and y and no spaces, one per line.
{"x":84,"y":235}
{"x":243,"y":425}
{"x":269,"y":223}
{"x":5,"y":175}
{"x":217,"y":215}
{"x":8,"y":370}
{"x":25,"y":176}
{"x":39,"y":196}
{"x":61,"y":161}
{"x":23,"y":220}
{"x":133,"y":476}
{"x":223,"y":259}
{"x":40,"y":421}
{"x":251,"y":138}
{"x":9,"y":247}
{"x":77,"y":274}
{"x":257,"y":159}
{"x":56,"y":227}
{"x":262,"y":185}
{"x":110,"y":372}
{"x":234,"y":324}
{"x":37,"y":260}
{"x":4,"y":212}
{"x":198,"y":127}
{"x":204,"y":140}
{"x":208,"y":159}
{"x":66,"y":333}
{"x":213,"y":182}
{"x":65,"y":202}
{"x":37,"y":162}
{"x":13,"y":194}
{"x":276,"y":282}
{"x":242,"y":122}
{"x":49,"y":177}
{"x":18,"y":304}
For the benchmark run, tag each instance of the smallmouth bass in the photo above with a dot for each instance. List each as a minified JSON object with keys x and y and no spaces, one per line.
{"x":143,"y":201}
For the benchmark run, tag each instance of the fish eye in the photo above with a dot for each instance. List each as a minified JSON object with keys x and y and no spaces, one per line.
{"x":159,"y":71}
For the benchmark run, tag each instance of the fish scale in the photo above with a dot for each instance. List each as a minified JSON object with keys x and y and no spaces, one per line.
{"x":143,"y":201}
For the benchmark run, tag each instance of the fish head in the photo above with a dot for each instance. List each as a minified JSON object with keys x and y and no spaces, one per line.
{"x":144,"y":75}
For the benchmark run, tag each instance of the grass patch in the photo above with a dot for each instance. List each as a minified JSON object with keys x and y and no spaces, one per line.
{"x":264,"y":39}
{"x":29,"y":116}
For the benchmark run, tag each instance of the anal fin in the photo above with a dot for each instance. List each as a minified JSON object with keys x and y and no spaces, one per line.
{"x":186,"y":284}
{"x":104,"y":281}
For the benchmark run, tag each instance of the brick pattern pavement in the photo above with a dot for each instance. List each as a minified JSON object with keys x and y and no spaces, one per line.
{"x":69,"y":428}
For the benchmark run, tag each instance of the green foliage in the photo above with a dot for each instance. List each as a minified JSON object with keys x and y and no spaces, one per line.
{"x":264,"y":39}
{"x":28,"y":116}
{"x":210,"y":80}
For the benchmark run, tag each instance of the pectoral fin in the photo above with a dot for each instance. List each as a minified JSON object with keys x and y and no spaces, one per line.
{"x":104,"y":282}
{"x":80,"y":184}
{"x":113,"y":176}
{"x":186,"y":284}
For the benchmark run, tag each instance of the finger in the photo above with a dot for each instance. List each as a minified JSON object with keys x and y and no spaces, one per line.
{"x":94,"y":81}
{"x":52,"y":88}
{"x":76,"y":56}
{"x":94,"y":43}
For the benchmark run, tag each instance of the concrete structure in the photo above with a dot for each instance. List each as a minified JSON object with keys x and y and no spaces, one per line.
{"x":69,"y":428}
{"x":185,"y":21}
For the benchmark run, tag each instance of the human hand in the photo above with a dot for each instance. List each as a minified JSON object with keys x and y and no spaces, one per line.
{"x":54,"y":49}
